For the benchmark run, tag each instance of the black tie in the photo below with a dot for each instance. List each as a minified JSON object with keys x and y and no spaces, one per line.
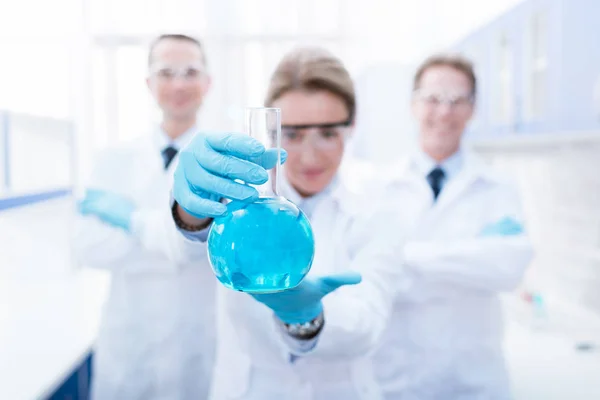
{"x":168,"y":154}
{"x":435,"y":179}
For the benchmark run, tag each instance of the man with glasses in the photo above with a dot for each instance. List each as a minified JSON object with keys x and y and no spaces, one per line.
{"x":156,"y":336}
{"x":468,"y":246}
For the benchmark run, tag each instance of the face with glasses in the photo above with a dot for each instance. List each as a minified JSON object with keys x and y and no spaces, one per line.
{"x":315,"y":125}
{"x":177,"y":78}
{"x":443,"y":104}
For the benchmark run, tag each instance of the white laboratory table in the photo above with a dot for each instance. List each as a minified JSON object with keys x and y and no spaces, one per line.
{"x":544,"y":365}
{"x":47,"y":327}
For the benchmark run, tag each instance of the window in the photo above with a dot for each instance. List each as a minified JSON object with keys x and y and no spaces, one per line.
{"x":244,"y":40}
{"x":50,"y":140}
{"x":100,"y":123}
{"x":537,"y":65}
{"x":135,"y":109}
{"x":147,"y":17}
{"x":36,"y":99}
{"x":40,"y":64}
{"x":504,"y":99}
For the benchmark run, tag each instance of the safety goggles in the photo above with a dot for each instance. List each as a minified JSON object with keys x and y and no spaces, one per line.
{"x":327,"y":136}
{"x":437,"y":97}
{"x":166,"y":72}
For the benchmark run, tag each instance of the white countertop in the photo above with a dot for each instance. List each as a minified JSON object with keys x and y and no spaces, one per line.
{"x":544,"y":365}
{"x":47,"y":328}
{"x":49,"y":309}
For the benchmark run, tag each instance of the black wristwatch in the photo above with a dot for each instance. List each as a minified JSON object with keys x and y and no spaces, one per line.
{"x":306,"y":331}
{"x":182,"y":225}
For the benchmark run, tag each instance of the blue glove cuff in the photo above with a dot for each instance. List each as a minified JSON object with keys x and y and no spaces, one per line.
{"x":302,"y":316}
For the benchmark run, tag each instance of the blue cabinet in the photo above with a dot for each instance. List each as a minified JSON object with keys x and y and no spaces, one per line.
{"x":77,"y":385}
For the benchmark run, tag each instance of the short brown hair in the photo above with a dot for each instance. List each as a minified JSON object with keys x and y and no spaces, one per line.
{"x":456,"y":61}
{"x":313,"y":69}
{"x":175,"y":36}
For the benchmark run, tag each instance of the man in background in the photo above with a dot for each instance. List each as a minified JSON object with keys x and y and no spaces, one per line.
{"x":468,"y":246}
{"x":156,"y":336}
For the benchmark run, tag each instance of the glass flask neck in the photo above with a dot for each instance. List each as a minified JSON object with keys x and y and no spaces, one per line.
{"x":264,"y":125}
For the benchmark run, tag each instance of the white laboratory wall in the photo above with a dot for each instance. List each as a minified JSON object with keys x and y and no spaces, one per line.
{"x":560,"y":187}
{"x":35,"y":97}
{"x":597,"y":97}
{"x":40,"y":153}
{"x":35,"y":40}
{"x":384,"y":127}
{"x":35,"y":77}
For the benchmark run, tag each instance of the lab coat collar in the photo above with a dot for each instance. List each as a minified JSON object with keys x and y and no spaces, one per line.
{"x":291,"y":194}
{"x":451,"y":166}
{"x":475,"y":168}
{"x":162,"y":140}
{"x":336,"y":191}
{"x":411,"y":167}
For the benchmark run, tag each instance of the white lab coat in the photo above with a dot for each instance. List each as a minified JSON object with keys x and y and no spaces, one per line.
{"x":445,"y":336}
{"x":253,"y":360}
{"x":156,"y":338}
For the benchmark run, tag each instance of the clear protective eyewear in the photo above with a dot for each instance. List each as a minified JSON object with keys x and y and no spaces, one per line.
{"x":169,"y":72}
{"x":437,"y":98}
{"x":327,"y":136}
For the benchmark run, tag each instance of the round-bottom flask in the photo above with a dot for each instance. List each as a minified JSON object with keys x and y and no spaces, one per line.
{"x":260,"y":247}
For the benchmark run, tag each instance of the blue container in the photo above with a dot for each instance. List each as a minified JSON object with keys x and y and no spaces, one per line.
{"x":261,"y":247}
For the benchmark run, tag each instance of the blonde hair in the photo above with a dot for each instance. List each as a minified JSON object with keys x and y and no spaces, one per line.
{"x":312,"y":69}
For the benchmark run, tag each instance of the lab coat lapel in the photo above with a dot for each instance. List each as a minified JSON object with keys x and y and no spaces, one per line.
{"x":400,"y":171}
{"x":331,"y":224}
{"x":150,"y":174}
{"x":328,"y":221}
{"x":160,"y":141}
{"x":473,"y":170}
{"x":182,"y":142}
{"x":403,"y":174}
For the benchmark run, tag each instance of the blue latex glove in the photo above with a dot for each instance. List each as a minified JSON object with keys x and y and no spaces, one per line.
{"x":209,"y":166}
{"x":505,"y":227}
{"x":111,"y":208}
{"x":303,"y":303}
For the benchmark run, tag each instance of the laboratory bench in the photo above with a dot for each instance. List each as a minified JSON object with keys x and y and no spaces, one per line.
{"x":47,"y":331}
{"x":546,"y":365}
{"x":49,"y":308}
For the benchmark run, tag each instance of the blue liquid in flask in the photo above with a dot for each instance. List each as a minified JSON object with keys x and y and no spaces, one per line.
{"x":261,"y":247}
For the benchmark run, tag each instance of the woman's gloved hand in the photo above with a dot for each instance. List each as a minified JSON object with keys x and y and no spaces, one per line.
{"x":303,"y":303}
{"x":209,"y":166}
